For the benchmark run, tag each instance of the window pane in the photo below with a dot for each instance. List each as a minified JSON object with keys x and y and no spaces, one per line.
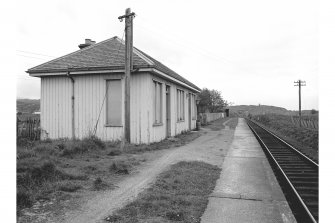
{"x":182,"y":105}
{"x":114,"y":103}
{"x":157,"y":102}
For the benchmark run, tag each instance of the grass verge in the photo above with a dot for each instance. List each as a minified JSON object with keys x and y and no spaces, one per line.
{"x":179,"y":194}
{"x":51,"y":168}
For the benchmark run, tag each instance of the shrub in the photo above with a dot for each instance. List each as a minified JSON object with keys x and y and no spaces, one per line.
{"x":45,"y":172}
{"x":24,"y":142}
{"x":69,"y":187}
{"x":24,"y":153}
{"x":23,"y":198}
{"x":95,"y":140}
{"x":91,"y":143}
{"x":99,"y":184}
{"x":47,"y":149}
{"x":119,"y":167}
{"x":114,"y":153}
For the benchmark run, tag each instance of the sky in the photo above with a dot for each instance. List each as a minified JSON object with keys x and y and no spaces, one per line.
{"x":251,"y":51}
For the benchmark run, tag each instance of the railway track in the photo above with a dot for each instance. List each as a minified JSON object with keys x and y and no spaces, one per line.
{"x":297,"y":174}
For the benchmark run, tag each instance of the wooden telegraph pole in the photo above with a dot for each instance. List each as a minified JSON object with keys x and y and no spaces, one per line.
{"x":300,"y":83}
{"x":128,"y":68}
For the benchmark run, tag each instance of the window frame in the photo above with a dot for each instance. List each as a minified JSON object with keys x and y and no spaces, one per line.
{"x":157,"y":122}
{"x":106,"y":98}
{"x":180,"y":105}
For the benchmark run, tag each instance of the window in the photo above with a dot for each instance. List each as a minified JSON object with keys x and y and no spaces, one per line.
{"x":193,"y":106}
{"x":114,"y":103}
{"x":180,"y":105}
{"x":158,"y":102}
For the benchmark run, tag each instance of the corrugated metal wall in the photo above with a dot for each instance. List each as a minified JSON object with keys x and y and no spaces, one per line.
{"x":89,"y":97}
{"x":56,"y":107}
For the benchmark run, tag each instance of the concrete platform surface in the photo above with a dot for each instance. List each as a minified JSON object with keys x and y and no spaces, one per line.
{"x":247,"y":190}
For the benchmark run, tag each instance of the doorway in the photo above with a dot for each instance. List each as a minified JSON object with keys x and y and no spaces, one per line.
{"x":189,"y":111}
{"x":168,"y":110}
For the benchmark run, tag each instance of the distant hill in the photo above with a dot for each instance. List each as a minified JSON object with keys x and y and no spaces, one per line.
{"x":260,"y":109}
{"x":27,"y":105}
{"x":265,"y":109}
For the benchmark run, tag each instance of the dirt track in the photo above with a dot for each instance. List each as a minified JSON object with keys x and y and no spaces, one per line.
{"x":210,"y":147}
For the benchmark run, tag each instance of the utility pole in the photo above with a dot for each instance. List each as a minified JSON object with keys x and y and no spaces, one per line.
{"x":300,"y":83}
{"x":128,"y":68}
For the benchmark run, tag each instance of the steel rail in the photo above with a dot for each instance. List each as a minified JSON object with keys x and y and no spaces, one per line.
{"x":289,"y":145}
{"x":282,"y":171}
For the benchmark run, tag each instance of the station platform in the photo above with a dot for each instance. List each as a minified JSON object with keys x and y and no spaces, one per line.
{"x":247,"y":190}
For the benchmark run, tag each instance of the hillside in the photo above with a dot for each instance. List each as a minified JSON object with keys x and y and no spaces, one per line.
{"x":260,"y":109}
{"x":27,"y":105}
{"x":265,"y":109}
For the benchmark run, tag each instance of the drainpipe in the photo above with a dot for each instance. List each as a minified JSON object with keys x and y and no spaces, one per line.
{"x":72,"y":104}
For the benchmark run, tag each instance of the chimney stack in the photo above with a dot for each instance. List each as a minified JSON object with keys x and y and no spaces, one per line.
{"x":88,"y":42}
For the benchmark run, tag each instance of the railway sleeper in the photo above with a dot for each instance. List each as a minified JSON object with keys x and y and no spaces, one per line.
{"x":304,"y":179}
{"x":311,"y":174}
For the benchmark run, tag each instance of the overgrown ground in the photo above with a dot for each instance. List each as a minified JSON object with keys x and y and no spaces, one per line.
{"x":56,"y":170}
{"x":179,"y":194}
{"x":306,"y":140}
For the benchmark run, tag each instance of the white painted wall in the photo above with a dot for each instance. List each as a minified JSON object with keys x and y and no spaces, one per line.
{"x":89,"y":98}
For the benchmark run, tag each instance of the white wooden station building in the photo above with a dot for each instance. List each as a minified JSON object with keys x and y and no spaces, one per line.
{"x":82,"y":94}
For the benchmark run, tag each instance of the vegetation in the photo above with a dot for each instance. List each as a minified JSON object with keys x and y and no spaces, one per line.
{"x":53,"y":168}
{"x":179,"y":194}
{"x":211,"y":101}
{"x":28,"y":106}
{"x":306,"y":140}
{"x":267,"y":109}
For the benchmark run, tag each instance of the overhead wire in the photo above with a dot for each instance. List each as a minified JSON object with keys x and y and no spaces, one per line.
{"x":29,"y":52}
{"x":32,"y":57}
{"x":198,"y":49}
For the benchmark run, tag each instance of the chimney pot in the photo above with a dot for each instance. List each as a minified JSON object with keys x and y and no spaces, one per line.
{"x":88,"y":42}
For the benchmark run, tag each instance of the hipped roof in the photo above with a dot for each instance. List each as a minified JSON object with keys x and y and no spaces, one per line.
{"x":105,"y":55}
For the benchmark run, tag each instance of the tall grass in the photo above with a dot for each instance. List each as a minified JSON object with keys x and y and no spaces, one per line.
{"x":179,"y":194}
{"x":37,"y":172}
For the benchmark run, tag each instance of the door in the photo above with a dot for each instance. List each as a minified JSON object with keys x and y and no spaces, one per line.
{"x":168,"y":111}
{"x":189,"y":111}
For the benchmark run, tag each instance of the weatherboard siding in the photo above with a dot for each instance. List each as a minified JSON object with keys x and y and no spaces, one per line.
{"x":90,"y":102}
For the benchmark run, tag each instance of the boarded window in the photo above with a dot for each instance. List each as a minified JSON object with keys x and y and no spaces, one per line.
{"x":193,"y":106}
{"x":114,"y":103}
{"x":158,"y":102}
{"x":180,"y":105}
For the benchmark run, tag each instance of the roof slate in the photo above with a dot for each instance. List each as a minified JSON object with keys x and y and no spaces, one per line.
{"x":108,"y":54}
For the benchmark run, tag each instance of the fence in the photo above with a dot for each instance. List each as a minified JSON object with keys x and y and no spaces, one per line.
{"x":305,"y":122}
{"x":208,"y":117}
{"x":29,"y":128}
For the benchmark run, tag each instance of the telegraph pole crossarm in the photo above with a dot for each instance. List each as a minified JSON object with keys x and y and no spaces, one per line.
{"x":300,"y":83}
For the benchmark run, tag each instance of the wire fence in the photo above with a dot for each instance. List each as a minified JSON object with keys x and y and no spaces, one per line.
{"x":305,"y":122}
{"x":29,"y":128}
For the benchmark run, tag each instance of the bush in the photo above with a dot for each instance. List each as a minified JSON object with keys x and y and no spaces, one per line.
{"x":23,"y":198}
{"x":114,"y":153}
{"x":91,"y":143}
{"x":96,"y":141}
{"x":119,"y":167}
{"x":69,"y":187}
{"x":46,"y":150}
{"x":99,"y":184}
{"x":25,"y":153}
{"x":24,"y":142}
{"x":43,"y":173}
